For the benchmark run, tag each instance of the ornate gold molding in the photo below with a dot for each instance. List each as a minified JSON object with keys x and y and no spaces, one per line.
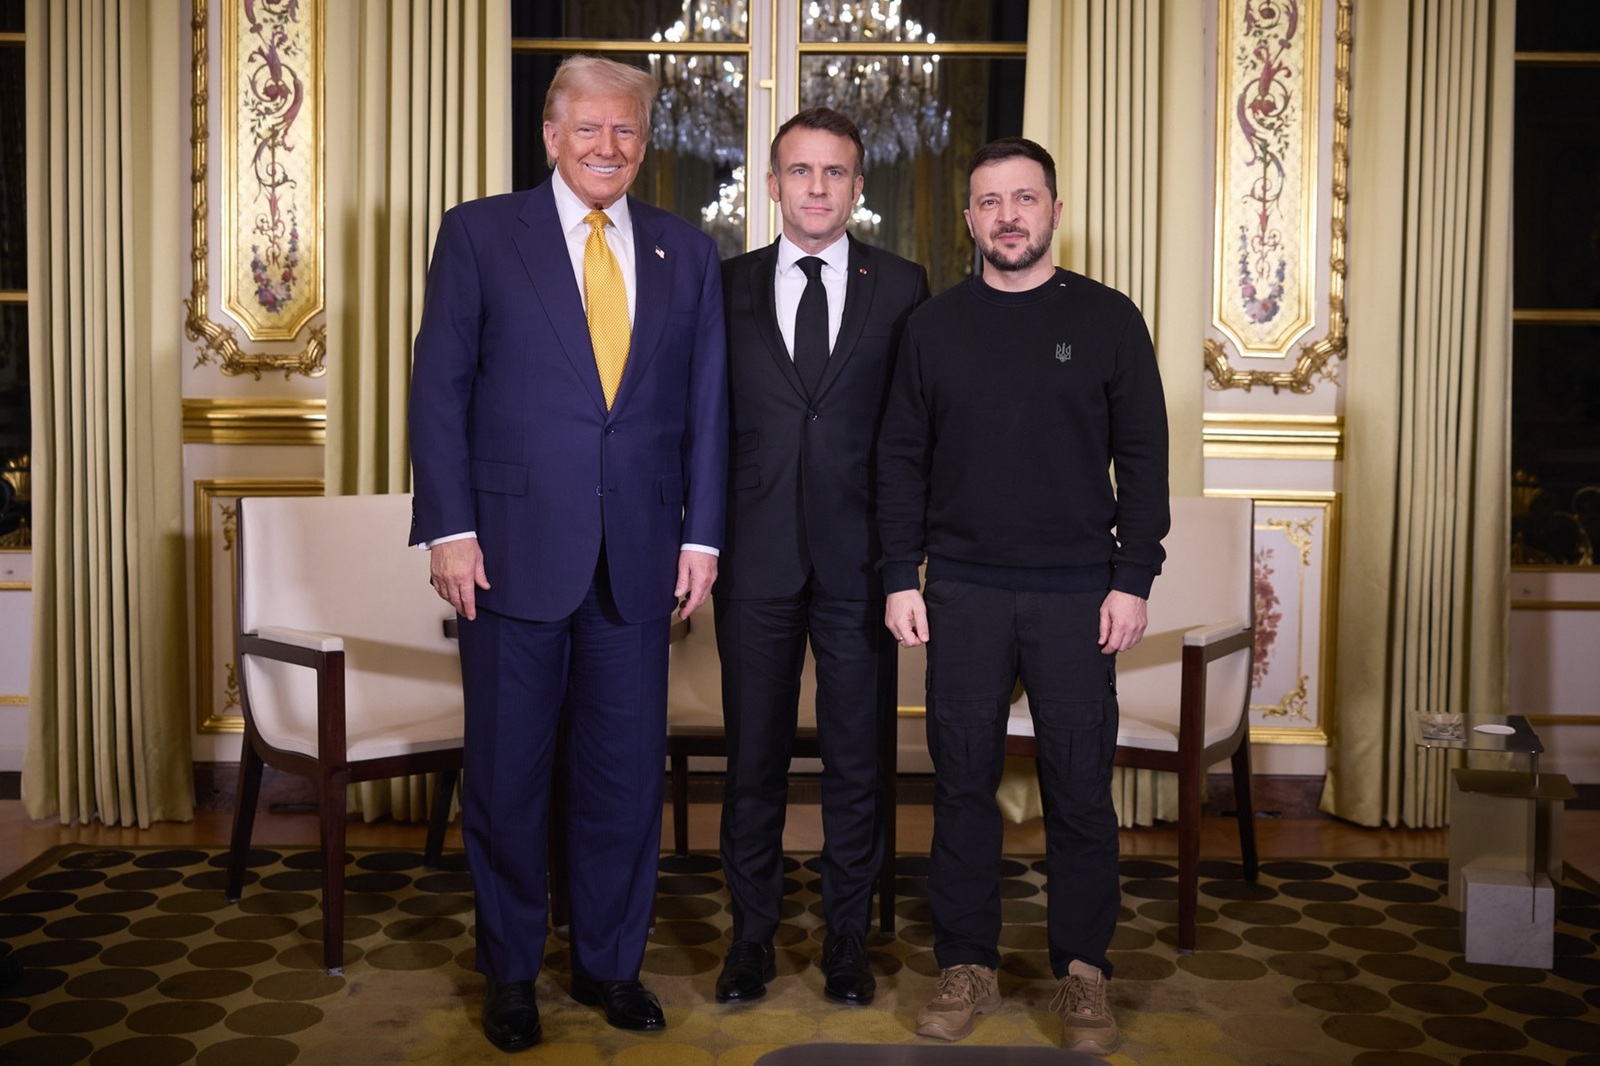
{"x":1297,"y":533}
{"x":209,"y":717}
{"x":229,"y":421}
{"x":1313,"y":363}
{"x":1239,"y":436}
{"x":218,"y":344}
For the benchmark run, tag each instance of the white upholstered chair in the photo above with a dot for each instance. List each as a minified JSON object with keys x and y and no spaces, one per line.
{"x":695,"y":729}
{"x":345,"y":671}
{"x":1184,"y":692}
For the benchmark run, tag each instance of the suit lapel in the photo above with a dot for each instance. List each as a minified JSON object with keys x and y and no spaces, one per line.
{"x":763,"y":300}
{"x":860,"y":280}
{"x":543,"y":248}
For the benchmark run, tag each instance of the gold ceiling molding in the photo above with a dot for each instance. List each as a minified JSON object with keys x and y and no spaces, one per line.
{"x":230,"y":421}
{"x":218,"y":343}
{"x":1240,"y":436}
{"x":1312,"y":364}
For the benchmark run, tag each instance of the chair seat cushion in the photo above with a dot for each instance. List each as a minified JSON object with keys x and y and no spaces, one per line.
{"x":1133,"y":729}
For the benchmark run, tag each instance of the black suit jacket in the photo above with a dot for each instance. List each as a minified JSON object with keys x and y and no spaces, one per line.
{"x":802,"y":477}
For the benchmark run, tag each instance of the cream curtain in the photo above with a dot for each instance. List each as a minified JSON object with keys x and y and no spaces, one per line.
{"x":108,"y":730}
{"x":1112,"y":93}
{"x":1424,"y":598}
{"x":418,"y":121}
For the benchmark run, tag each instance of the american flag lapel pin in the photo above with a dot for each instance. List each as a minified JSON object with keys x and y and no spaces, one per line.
{"x":659,"y":253}
{"x":863,"y":271}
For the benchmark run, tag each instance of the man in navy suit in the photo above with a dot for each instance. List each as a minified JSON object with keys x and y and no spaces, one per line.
{"x":566,"y":513}
{"x":814,"y":321}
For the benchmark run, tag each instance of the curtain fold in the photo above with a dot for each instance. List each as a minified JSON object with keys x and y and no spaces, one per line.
{"x":1111,"y":93}
{"x":108,"y":729}
{"x":1424,"y":600}
{"x":418,"y":121}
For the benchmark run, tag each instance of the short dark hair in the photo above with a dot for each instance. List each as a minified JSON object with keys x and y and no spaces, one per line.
{"x":1010,"y":148}
{"x":827,"y":120}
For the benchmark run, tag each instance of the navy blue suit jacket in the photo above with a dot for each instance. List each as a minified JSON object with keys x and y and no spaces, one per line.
{"x":510,"y":435}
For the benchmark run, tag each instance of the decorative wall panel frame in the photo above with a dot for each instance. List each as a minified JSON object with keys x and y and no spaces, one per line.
{"x":1297,"y":581}
{"x":269,"y":136}
{"x":216,"y":687}
{"x":1271,"y":204}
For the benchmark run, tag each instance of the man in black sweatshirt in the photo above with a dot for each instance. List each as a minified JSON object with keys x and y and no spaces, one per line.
{"x":1015,"y":395}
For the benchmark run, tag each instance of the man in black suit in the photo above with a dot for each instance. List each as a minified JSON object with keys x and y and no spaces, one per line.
{"x":814,"y":323}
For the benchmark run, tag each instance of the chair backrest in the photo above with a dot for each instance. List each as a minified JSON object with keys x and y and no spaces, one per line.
{"x":694,"y":683}
{"x":340,"y":565}
{"x":1208,"y":577}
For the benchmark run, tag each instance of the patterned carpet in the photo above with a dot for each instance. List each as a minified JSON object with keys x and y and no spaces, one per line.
{"x":133,"y":958}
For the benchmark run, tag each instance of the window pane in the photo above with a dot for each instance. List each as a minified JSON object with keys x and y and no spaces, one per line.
{"x":13,"y":173}
{"x":11,"y":16}
{"x":1555,"y":445}
{"x":919,"y":131}
{"x":14,"y":421}
{"x":695,"y":164}
{"x":1557,"y":26}
{"x":914,"y":20}
{"x":632,"y":20}
{"x":1557,"y":188}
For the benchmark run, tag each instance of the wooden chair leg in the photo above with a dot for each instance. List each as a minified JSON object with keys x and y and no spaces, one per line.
{"x":444,"y":793}
{"x":889,"y":775}
{"x":1245,"y":810}
{"x":1188,"y":854}
{"x":244,"y":817}
{"x":331,"y":813}
{"x":680,"y":800}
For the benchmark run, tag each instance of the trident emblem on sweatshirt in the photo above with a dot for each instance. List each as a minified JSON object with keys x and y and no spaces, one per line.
{"x":1063,"y":353}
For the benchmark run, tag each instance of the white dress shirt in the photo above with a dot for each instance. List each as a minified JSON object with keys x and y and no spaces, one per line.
{"x":790,"y":282}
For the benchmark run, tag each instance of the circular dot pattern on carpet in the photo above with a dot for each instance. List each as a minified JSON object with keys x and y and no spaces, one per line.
{"x":132,"y":955}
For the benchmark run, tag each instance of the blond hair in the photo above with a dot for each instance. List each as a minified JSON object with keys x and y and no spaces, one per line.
{"x":593,"y":76}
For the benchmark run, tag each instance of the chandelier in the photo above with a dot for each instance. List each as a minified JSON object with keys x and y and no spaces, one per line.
{"x":700,"y":108}
{"x":893,"y":97}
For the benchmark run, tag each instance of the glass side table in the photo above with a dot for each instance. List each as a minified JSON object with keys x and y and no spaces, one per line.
{"x":1479,"y":732}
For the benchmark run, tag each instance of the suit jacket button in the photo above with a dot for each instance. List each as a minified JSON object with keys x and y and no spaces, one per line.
{"x":813,"y":415}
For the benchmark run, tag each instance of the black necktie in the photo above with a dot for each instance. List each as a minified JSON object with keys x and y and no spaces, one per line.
{"x":811,"y":327}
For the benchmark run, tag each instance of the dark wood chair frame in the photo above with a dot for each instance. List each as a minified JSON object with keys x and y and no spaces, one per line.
{"x":1190,"y":763}
{"x":331,"y":772}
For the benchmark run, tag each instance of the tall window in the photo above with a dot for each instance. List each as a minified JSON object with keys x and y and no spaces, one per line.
{"x":1555,"y":410}
{"x":927,"y":81}
{"x":15,"y":431}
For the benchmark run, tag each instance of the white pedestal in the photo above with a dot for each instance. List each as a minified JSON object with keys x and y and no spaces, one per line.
{"x":1505,"y":920}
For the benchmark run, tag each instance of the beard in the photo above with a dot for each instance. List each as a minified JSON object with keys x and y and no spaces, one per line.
{"x":1027,"y":257}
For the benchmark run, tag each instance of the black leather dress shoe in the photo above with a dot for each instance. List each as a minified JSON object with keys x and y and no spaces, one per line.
{"x":844,"y":965}
{"x":510,"y":1016}
{"x":746,"y":970}
{"x":628,"y":1004}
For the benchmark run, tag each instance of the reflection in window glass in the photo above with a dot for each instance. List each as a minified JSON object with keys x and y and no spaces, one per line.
{"x":632,"y":20}
{"x":695,"y":164}
{"x":1557,"y":188}
{"x":916,"y":189}
{"x":1555,"y":444}
{"x":15,"y":425}
{"x":13,"y":172}
{"x":914,"y":20}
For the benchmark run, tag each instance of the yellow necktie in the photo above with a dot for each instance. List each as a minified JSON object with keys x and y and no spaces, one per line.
{"x":607,"y":301}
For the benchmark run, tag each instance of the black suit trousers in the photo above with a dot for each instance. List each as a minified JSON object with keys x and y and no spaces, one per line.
{"x":762,"y":643}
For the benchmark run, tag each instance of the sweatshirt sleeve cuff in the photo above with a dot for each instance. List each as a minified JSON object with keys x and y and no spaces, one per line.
{"x":899,"y":577}
{"x":1134,"y":580}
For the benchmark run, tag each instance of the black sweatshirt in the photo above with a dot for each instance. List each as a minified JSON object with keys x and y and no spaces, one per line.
{"x":1005,"y":416}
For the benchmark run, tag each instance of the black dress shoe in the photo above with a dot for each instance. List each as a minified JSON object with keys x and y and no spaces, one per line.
{"x":746,"y":970}
{"x":510,"y":1016}
{"x":844,"y":964}
{"x":628,"y":1004}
